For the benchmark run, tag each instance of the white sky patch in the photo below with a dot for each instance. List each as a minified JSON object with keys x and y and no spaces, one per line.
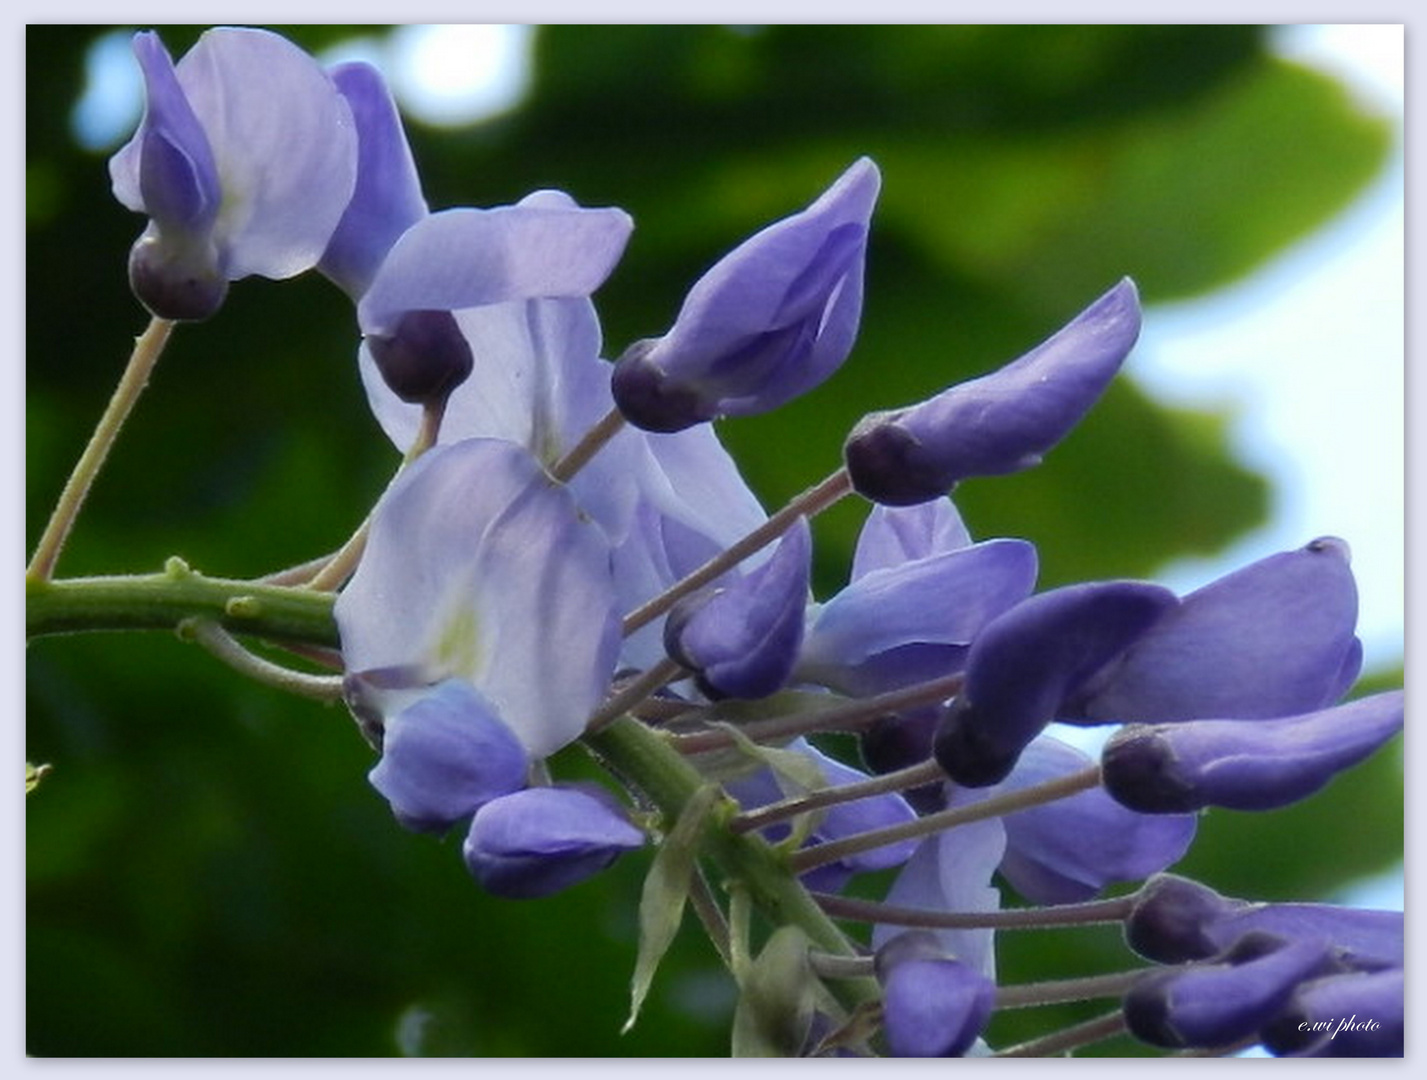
{"x":455,"y":75}
{"x":1309,"y":355}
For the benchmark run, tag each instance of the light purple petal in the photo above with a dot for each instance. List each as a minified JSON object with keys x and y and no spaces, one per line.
{"x":952,"y":871}
{"x":478,"y":566}
{"x":387,"y":199}
{"x":284,"y":145}
{"x":893,"y":535}
{"x":1068,"y":850}
{"x":467,"y":258}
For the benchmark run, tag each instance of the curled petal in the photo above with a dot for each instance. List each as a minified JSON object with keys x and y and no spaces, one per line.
{"x":1025,"y":664}
{"x":1244,"y":764}
{"x":1274,"y":638}
{"x":1002,"y":422}
{"x":540,"y":841}
{"x":893,"y":535}
{"x":742,"y":638}
{"x":387,"y":199}
{"x":465,"y":258}
{"x":1067,"y":851}
{"x":444,"y":756}
{"x":771,"y":320}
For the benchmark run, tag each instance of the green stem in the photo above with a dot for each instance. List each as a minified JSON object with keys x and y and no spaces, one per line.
{"x":645,"y":758}
{"x":163,"y":601}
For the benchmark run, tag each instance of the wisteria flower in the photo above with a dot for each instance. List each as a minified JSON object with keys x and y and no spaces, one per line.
{"x":244,"y":162}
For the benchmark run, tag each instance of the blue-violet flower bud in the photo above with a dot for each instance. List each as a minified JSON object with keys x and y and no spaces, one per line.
{"x":769,"y":321}
{"x":1350,"y":1015}
{"x":999,"y":423}
{"x":1244,"y":764}
{"x":542,"y":840}
{"x":933,"y":1005}
{"x":1226,"y":1000}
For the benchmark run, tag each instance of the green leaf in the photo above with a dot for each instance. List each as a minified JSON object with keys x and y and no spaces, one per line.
{"x":33,"y":775}
{"x":775,"y":1003}
{"x":666,"y":888}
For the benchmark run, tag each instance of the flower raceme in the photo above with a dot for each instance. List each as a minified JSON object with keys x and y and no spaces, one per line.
{"x":244,"y":163}
{"x":484,"y":628}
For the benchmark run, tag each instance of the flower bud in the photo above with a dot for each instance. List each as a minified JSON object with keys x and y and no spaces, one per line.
{"x":1175,"y":920}
{"x":1229,"y":999}
{"x":1348,"y":1015}
{"x":540,"y":841}
{"x":771,"y":320}
{"x":1244,"y":764}
{"x":999,"y":423}
{"x":932,"y":1005}
{"x":1025,"y":663}
{"x":424,"y":357}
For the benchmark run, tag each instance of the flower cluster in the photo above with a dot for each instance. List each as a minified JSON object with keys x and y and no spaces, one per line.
{"x":568,"y":548}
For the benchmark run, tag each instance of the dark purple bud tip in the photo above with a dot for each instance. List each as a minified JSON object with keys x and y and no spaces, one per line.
{"x":968,"y":749}
{"x":1171,"y":919}
{"x":424,"y":358}
{"x":176,"y":282}
{"x":1002,"y":422}
{"x":648,"y":399}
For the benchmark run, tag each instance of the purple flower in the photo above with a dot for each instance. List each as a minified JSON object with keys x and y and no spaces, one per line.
{"x":543,"y":840}
{"x":1244,"y":764}
{"x":932,"y":1005}
{"x":387,"y":199}
{"x":1274,"y":638}
{"x":444,"y":756}
{"x":999,"y":423}
{"x":1025,"y":664}
{"x":771,"y":320}
{"x":244,"y":163}
{"x":741,"y":638}
{"x":479,"y":568}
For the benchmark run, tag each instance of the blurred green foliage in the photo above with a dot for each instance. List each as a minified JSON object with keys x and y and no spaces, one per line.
{"x":208,"y":872}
